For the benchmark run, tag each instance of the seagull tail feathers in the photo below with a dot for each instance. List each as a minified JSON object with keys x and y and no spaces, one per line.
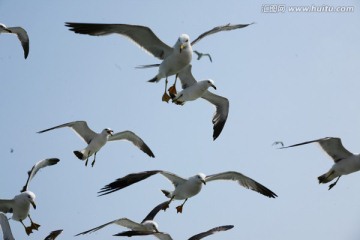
{"x":154,"y":79}
{"x":80,"y":155}
{"x":327,"y":177}
{"x":166,"y":193}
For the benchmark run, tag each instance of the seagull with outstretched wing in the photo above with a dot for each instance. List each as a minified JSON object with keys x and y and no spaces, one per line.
{"x":96,"y":141}
{"x":174,"y":59}
{"x":147,"y":224}
{"x":186,"y":188}
{"x":19,"y":206}
{"x":345,"y":162}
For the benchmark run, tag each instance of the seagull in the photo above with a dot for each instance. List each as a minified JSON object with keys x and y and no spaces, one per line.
{"x":19,"y":206}
{"x":345,"y":161}
{"x":96,"y":141}
{"x":186,"y":188}
{"x":200,"y":55}
{"x":174,"y":59}
{"x":166,"y":236}
{"x":193,"y":90}
{"x":53,"y":234}
{"x":147,"y":224}
{"x":20,"y":33}
{"x":5,"y":227}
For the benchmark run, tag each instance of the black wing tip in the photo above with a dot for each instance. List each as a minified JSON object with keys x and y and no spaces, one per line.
{"x":218,"y":127}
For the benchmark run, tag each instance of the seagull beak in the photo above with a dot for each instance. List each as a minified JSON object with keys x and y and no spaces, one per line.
{"x":33,"y":204}
{"x":110,"y":132}
{"x":203,"y":181}
{"x":182,"y":46}
{"x":212,"y":85}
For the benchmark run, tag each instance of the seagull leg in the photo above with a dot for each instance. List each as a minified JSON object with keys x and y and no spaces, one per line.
{"x":166,"y":97}
{"x":172,"y":89}
{"x":168,"y":203}
{"x":179,"y":208}
{"x":87,"y":159}
{"x":33,"y":225}
{"x":93,"y":162}
{"x":333,"y":184}
{"x":28,"y":230}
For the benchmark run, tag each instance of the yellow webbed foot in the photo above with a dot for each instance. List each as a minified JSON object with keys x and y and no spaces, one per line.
{"x":35,"y":226}
{"x":172,"y":90}
{"x":28,"y":230}
{"x":179,"y":209}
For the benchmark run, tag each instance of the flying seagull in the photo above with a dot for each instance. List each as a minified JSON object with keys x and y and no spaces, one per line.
{"x":186,"y":188}
{"x":174,"y":59}
{"x":19,"y":206}
{"x":5,"y":227}
{"x":53,"y":234}
{"x":96,"y":141}
{"x":20,"y":33}
{"x":193,"y":90}
{"x":200,"y":55}
{"x":147,"y":224}
{"x":345,"y":161}
{"x":166,"y":236}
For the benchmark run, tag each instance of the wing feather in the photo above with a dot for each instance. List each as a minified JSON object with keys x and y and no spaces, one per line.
{"x":5,"y":227}
{"x":211,"y":231}
{"x":141,"y":35}
{"x":243,"y":181}
{"x":135,"y":139}
{"x":23,"y":37}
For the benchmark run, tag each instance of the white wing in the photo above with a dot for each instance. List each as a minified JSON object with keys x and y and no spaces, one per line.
{"x":125,"y":222}
{"x":39,"y":165}
{"x":332,"y":146}
{"x":173,"y":178}
{"x":23,"y":37}
{"x":132,"y":137}
{"x":141,"y":35}
{"x":6,"y":206}
{"x":5,"y":226}
{"x":80,"y":127}
{"x":227,"y":27}
{"x":243,"y":181}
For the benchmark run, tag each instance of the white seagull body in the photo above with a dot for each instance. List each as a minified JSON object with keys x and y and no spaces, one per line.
{"x":166,"y":236}
{"x":20,"y":33}
{"x":193,"y":90}
{"x":345,"y":162}
{"x":186,"y":188}
{"x":147,"y":224}
{"x":19,"y":206}
{"x":5,"y":227}
{"x":96,"y":141}
{"x":174,"y":59}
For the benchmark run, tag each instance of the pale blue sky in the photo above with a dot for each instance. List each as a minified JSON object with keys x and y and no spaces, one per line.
{"x":291,"y":77}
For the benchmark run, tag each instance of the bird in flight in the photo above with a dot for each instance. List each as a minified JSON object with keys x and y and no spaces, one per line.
{"x":20,"y":33}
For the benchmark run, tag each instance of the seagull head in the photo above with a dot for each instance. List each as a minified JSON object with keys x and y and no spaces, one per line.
{"x":200,"y":177}
{"x":151,"y":225}
{"x":210,"y":83}
{"x":108,"y":131}
{"x":28,"y":197}
{"x":184,"y":41}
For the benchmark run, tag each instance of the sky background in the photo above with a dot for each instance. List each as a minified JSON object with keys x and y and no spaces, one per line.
{"x":290,"y":77}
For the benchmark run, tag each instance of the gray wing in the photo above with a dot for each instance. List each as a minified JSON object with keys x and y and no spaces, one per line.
{"x":5,"y":227}
{"x":125,"y":222}
{"x":227,"y":27}
{"x":173,"y":178}
{"x":126,"y":181}
{"x":135,"y":139}
{"x":186,"y":77}
{"x":211,"y":231}
{"x":6,"y":206}
{"x":222,"y":110}
{"x":39,"y":165}
{"x":159,"y":235}
{"x":332,"y":146}
{"x":23,"y":37}
{"x":141,"y":35}
{"x":80,"y":127}
{"x":155,"y":211}
{"x":53,"y":234}
{"x":243,"y":181}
